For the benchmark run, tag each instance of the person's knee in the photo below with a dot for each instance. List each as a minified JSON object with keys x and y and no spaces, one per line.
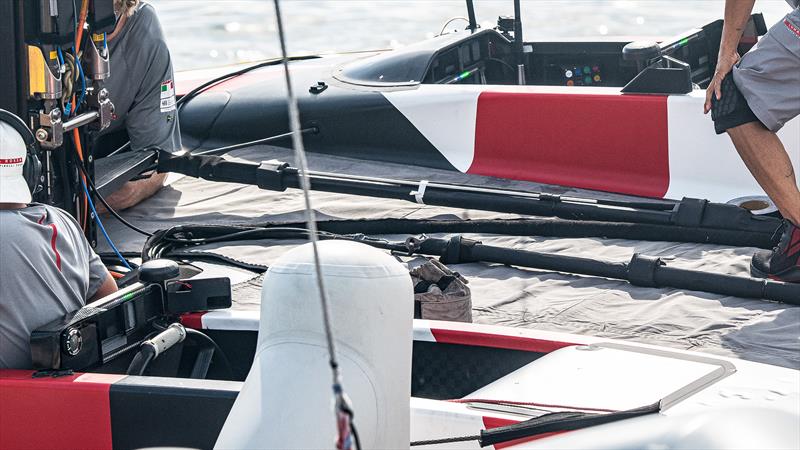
{"x":731,"y":111}
{"x":748,"y":129}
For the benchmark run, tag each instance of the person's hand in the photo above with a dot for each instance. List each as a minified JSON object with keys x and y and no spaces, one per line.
{"x":725,"y":64}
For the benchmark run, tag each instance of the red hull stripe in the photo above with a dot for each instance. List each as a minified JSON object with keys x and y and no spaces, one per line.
{"x":582,"y":140}
{"x":495,"y":422}
{"x":193,"y":320}
{"x":497,"y":341}
{"x":67,"y":414}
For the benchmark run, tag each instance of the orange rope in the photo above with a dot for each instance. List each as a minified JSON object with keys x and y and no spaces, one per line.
{"x":116,"y":275}
{"x":81,"y":23}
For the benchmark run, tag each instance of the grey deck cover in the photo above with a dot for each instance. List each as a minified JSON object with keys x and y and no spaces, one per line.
{"x":749,"y":329}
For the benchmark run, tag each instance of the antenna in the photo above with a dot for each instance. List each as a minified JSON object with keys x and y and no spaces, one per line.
{"x":518,"y":44}
{"x":473,"y":24}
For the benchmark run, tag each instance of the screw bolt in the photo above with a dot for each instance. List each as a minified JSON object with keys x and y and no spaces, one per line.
{"x":42,"y":135}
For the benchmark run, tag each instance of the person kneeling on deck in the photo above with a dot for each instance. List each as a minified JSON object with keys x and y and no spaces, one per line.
{"x":142,"y":89}
{"x":47,"y":268}
{"x":751,"y":98}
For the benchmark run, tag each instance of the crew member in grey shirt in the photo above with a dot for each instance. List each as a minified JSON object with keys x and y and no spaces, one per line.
{"x":142,"y":88}
{"x":751,"y":98}
{"x":47,"y":268}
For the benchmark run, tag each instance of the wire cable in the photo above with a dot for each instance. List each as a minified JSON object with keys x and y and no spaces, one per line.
{"x":230,"y":148}
{"x":343,"y":407}
{"x":83,"y":85}
{"x":103,"y":229}
{"x":449,"y":21}
{"x":76,"y":140}
{"x":108,"y":207}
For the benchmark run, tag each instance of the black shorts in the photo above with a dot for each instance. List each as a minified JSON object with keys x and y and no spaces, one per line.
{"x":732,"y":109}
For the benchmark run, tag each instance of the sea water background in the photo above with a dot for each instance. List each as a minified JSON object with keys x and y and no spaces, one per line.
{"x":209,"y":33}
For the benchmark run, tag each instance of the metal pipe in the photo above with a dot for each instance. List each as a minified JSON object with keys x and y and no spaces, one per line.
{"x":79,"y":121}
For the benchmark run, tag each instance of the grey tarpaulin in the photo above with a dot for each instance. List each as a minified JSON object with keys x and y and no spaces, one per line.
{"x":750,"y":329}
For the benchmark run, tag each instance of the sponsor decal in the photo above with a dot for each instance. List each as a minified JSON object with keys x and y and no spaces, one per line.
{"x":11,"y":162}
{"x":167,"y":93}
{"x":792,"y":27}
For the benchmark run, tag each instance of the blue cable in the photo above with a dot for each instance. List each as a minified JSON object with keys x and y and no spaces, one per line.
{"x":103,"y":229}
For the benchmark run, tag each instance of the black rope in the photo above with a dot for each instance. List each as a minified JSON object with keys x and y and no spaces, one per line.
{"x":105,"y":203}
{"x":449,"y":440}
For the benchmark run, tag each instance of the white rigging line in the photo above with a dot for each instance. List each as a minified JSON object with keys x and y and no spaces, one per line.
{"x":343,"y":407}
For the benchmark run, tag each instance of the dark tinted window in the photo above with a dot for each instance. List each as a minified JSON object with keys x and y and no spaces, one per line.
{"x":403,"y":66}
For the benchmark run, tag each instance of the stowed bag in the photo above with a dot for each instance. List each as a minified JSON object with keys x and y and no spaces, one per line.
{"x":439,"y":293}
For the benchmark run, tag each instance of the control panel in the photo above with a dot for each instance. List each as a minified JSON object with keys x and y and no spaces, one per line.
{"x":105,"y":329}
{"x":586,"y":74}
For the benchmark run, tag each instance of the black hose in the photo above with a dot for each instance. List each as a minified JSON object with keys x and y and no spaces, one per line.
{"x":217,"y":350}
{"x":142,"y":359}
{"x":640,"y":270}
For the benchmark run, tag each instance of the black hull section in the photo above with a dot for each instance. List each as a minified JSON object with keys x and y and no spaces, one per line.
{"x":352,"y":122}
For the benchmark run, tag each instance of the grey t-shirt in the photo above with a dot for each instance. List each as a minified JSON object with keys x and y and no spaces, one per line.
{"x":141,"y":84}
{"x":47,"y":269}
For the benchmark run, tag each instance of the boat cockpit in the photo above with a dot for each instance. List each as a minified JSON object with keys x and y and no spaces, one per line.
{"x":490,"y":57}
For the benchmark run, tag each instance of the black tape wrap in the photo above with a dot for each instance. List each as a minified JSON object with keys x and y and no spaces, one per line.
{"x":689,"y":212}
{"x":271,"y":175}
{"x":452,"y":254}
{"x":213,"y":168}
{"x":642,"y":270}
{"x":694,"y":213}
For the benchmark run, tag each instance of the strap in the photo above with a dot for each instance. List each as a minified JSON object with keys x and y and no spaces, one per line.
{"x":419,"y":194}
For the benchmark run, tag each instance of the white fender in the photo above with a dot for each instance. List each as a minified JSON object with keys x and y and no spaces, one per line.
{"x":286,"y":401}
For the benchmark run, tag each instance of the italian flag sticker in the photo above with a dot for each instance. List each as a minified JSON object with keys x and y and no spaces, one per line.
{"x":167,"y":96}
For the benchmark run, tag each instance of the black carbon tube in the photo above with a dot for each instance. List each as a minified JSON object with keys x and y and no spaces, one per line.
{"x":278,"y":176}
{"x":640,"y":271}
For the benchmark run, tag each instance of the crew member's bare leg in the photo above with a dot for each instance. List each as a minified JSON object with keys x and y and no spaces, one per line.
{"x":767,"y":160}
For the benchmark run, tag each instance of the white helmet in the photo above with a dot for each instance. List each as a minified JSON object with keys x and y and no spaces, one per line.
{"x":13,"y":186}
